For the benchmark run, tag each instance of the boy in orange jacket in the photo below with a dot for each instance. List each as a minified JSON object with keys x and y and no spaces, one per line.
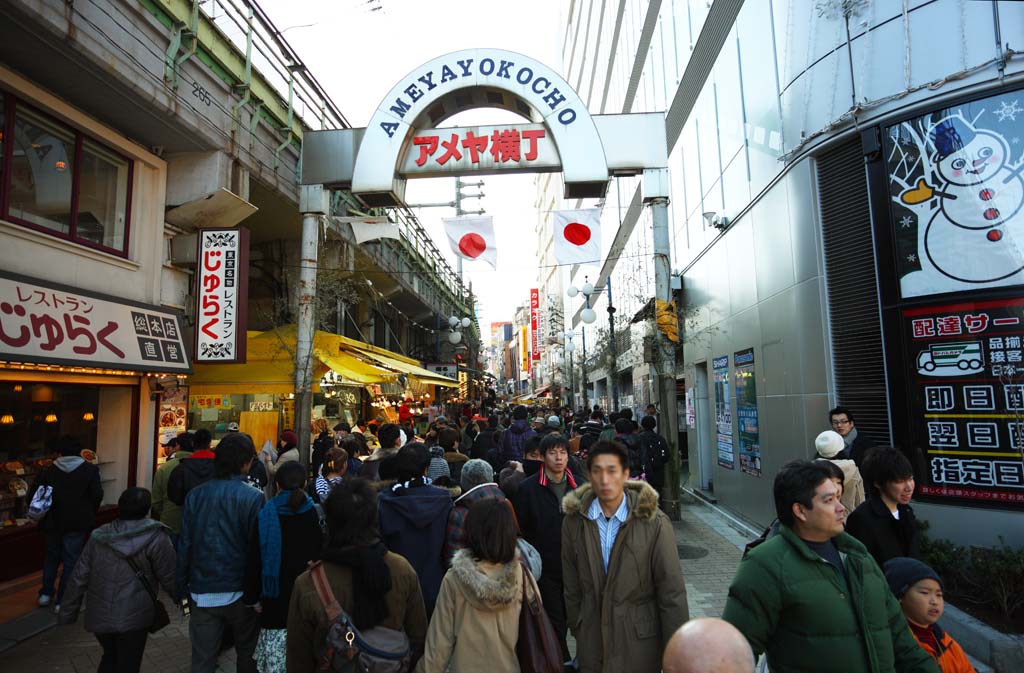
{"x":919,"y":590}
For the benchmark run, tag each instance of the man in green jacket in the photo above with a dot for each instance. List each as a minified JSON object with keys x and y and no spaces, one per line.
{"x":812,"y":597}
{"x":164,"y":510}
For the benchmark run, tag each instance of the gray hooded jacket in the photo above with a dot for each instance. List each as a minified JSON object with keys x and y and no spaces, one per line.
{"x":117,"y":601}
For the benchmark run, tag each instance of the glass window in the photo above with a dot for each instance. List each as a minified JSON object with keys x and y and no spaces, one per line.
{"x":42,"y":172}
{"x":102,"y":197}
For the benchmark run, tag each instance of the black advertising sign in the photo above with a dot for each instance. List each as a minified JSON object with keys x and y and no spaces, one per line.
{"x":956,"y":194}
{"x":965,"y":366}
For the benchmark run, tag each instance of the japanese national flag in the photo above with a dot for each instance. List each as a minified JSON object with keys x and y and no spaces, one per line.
{"x":472,"y":238}
{"x":578,"y":236}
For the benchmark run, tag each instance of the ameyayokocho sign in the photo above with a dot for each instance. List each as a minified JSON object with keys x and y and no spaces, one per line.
{"x":966,"y":370}
{"x":221,"y":295}
{"x":46,"y":323}
{"x":482,"y":149}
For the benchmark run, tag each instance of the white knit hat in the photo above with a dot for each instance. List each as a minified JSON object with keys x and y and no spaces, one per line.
{"x":829,"y":444}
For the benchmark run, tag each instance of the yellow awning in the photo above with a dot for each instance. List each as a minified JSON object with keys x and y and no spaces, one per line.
{"x":396,"y":362}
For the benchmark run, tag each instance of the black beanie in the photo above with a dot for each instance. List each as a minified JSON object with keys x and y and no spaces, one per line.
{"x":903,"y":572}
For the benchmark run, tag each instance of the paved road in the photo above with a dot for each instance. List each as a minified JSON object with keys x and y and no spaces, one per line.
{"x":709,"y":554}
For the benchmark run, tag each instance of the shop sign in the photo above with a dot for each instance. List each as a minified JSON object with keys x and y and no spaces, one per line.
{"x":261,"y":406}
{"x":535,"y":323}
{"x":956,"y":188}
{"x":221,"y":295}
{"x":723,"y":412}
{"x":966,"y":368}
{"x":55,"y":324}
{"x":746,"y":412}
{"x":482,"y":149}
{"x":524,"y":351}
{"x":449,"y":370}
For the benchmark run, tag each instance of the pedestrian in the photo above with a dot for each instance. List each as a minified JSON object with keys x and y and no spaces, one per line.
{"x":708,"y":645}
{"x":287,"y":451}
{"x":354,"y":447}
{"x":289,"y":538}
{"x":624,"y":434}
{"x":218,"y":524}
{"x":477,"y":481}
{"x":885,"y":522}
{"x":838,"y":478}
{"x":438,"y":466}
{"x":453,"y":456}
{"x":812,"y":593}
{"x":856,"y":443}
{"x":413,"y":519}
{"x":477,"y":615}
{"x":334,"y":468}
{"x":165,"y":510}
{"x":484,"y":441}
{"x":118,"y":575}
{"x":624,"y":589}
{"x":553,"y":425}
{"x":324,"y":442}
{"x":391,"y":438}
{"x":653,"y":452}
{"x":76,"y":496}
{"x":374,"y":586}
{"x":830,"y":447}
{"x":513,"y":439}
{"x":919,"y":591}
{"x":538,"y":507}
{"x":192,"y":471}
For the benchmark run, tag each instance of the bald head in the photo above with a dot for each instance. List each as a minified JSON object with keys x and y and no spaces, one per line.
{"x":708,"y":645}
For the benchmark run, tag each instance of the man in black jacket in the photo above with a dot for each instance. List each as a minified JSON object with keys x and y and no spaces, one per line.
{"x":885,"y":522}
{"x":538,"y":505}
{"x":193,"y":471}
{"x":77,"y":494}
{"x":653,"y":452}
{"x":857,"y":442}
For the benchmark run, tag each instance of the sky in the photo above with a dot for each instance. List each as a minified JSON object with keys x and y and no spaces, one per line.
{"x":358,"y":55}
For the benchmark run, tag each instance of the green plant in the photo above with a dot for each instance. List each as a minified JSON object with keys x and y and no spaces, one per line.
{"x":999,"y":573}
{"x":949,"y":560}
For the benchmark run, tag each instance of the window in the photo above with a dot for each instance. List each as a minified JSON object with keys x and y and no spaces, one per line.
{"x":55,"y":179}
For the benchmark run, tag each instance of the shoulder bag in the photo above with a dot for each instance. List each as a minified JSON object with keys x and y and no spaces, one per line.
{"x":537,"y":649}
{"x":160,"y":616}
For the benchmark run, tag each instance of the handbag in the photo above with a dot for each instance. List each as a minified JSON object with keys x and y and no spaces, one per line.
{"x":160,"y":616}
{"x":347,"y":649}
{"x":537,"y":649}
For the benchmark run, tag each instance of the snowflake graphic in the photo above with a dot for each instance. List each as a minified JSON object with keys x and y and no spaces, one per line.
{"x":1008,"y":111}
{"x":911,"y":257}
{"x":906,"y":221}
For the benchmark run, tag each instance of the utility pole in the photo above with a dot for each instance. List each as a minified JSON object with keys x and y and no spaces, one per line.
{"x":459,"y":212}
{"x":655,"y":188}
{"x":583,"y":366}
{"x":613,"y":365}
{"x":313,"y":204}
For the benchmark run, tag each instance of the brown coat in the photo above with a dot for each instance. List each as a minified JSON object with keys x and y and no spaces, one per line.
{"x":623,"y":620}
{"x":476,"y":619}
{"x":307,"y":620}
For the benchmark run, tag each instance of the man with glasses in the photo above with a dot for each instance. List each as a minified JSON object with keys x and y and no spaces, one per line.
{"x":857,"y":442}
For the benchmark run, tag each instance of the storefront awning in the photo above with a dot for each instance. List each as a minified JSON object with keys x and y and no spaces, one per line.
{"x":396,"y":362}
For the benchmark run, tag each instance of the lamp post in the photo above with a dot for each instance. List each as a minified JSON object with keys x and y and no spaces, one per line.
{"x":569,"y":348}
{"x":588,"y":316}
{"x":613,"y":373}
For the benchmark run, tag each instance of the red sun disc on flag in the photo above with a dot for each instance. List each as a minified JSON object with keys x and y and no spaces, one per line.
{"x":472,"y":245}
{"x":576,"y":233}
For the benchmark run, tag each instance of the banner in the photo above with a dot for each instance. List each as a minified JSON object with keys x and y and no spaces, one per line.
{"x":472,"y":238}
{"x":370,"y":228}
{"x":222,"y":276}
{"x":723,"y":412}
{"x":47,"y":323}
{"x":746,"y":412}
{"x":524,"y":351}
{"x":577,"y":236}
{"x":535,"y":323}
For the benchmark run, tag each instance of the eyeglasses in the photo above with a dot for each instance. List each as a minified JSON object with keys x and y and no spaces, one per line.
{"x":845,"y":422}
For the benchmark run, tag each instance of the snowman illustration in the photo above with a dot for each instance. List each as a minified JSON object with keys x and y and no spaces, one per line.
{"x":975,"y":225}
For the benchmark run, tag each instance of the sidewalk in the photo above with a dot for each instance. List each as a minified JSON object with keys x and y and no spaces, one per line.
{"x":709,"y":551}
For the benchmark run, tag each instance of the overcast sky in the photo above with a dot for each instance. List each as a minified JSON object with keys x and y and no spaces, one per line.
{"x":358,"y":55}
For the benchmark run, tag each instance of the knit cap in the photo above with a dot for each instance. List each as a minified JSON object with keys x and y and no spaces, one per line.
{"x":829,"y":444}
{"x":903,"y":572}
{"x":475,"y":472}
{"x":554,"y":422}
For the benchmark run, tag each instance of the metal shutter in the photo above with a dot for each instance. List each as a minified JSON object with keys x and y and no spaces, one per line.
{"x":857,"y":356}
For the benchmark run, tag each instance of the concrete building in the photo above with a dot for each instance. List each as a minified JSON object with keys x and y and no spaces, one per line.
{"x":832,"y":246}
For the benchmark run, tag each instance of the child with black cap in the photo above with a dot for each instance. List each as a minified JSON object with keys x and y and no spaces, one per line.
{"x":919,"y":590}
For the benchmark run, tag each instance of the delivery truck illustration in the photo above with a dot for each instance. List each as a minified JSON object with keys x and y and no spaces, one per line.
{"x":956,"y":358}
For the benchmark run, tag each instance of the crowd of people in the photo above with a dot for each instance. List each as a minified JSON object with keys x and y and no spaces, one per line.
{"x":431,"y":551}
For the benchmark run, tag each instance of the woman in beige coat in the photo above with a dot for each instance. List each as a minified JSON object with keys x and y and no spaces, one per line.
{"x":829,"y":445}
{"x":475,"y":624}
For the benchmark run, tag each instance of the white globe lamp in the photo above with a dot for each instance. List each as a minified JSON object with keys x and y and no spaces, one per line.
{"x":570,"y":347}
{"x":466,"y":322}
{"x":588,"y":289}
{"x":454,"y":337}
{"x":572,"y":291}
{"x":588,"y":315}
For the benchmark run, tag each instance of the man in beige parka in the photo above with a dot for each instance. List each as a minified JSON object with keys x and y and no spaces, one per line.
{"x":624,"y":589}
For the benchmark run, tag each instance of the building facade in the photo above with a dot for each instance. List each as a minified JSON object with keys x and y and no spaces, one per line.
{"x":844,"y":200}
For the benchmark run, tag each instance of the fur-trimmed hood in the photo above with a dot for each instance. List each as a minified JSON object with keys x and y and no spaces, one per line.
{"x":643,"y":500}
{"x":487,"y":586}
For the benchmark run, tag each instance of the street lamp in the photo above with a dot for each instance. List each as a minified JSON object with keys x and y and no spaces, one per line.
{"x":588,"y":316}
{"x":455,"y":336}
{"x":569,"y":348}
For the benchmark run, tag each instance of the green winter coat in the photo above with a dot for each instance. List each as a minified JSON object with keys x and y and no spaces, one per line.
{"x":793,"y":604}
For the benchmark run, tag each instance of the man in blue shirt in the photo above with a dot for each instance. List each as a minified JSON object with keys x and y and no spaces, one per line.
{"x":624,"y":589}
{"x":218,"y":529}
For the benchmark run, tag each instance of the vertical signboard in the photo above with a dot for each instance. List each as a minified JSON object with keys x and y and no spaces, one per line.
{"x":723,"y":412}
{"x":746,"y":412}
{"x":524,"y":352}
{"x":221,"y":295}
{"x":535,"y":323}
{"x":966,"y":368}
